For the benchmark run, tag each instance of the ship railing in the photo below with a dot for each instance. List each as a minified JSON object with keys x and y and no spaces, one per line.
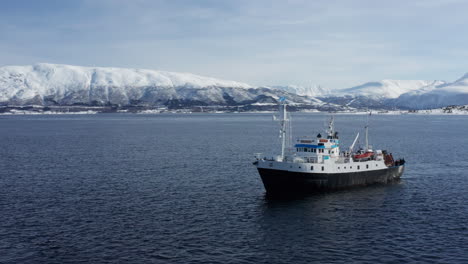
{"x":261,"y":156}
{"x":342,"y":160}
{"x":305,"y":160}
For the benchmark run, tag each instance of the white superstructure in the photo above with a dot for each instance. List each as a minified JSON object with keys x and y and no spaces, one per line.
{"x":322,"y":154}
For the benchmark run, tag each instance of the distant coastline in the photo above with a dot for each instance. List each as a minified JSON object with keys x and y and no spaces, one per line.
{"x":89,"y":110}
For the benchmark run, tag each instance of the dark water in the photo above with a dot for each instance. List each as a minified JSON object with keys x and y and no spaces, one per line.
{"x":181,"y":189}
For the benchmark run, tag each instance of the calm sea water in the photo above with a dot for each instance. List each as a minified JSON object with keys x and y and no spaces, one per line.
{"x":181,"y":189}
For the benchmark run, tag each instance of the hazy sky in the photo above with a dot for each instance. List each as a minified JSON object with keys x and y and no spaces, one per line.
{"x":335,"y":44}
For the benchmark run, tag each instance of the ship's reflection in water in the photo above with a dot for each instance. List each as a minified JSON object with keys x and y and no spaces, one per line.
{"x":308,"y":226}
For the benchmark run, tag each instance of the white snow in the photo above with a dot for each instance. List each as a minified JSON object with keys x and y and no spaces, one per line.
{"x":49,"y":84}
{"x":75,"y":83}
{"x":385,"y":88}
{"x":27,"y":112}
{"x":311,"y":91}
{"x":437,"y":95}
{"x":263,"y":104}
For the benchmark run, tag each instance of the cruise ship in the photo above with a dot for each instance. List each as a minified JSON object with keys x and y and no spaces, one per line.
{"x":317,"y":163}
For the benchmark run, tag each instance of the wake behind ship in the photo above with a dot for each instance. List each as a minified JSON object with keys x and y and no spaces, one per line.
{"x":318,"y":164}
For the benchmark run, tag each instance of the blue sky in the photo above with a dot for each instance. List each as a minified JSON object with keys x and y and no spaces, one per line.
{"x":335,"y":44}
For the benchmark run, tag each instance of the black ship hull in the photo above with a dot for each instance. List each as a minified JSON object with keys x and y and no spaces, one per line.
{"x":283,"y":182}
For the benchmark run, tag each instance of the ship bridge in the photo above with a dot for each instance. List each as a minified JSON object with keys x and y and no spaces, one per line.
{"x":318,"y":150}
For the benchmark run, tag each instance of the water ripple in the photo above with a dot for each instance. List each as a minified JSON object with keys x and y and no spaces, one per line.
{"x":180,"y":189}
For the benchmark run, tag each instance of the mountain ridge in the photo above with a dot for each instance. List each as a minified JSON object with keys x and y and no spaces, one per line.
{"x":59,"y":84}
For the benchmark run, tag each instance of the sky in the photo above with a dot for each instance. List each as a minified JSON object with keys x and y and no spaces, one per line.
{"x":335,"y":44}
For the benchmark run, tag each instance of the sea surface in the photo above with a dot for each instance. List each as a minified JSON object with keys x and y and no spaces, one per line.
{"x":169,"y":188}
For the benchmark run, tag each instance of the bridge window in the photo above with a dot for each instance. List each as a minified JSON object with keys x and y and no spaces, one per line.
{"x":323,"y":168}
{"x":338,"y":167}
{"x":367,"y":166}
{"x":311,"y":167}
{"x":350,"y":167}
{"x":358,"y":167}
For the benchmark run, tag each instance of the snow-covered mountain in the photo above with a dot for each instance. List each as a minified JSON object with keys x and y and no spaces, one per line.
{"x":391,"y":94}
{"x":377,"y":95}
{"x":436,"y":95}
{"x":385,"y":88}
{"x":65,"y":85}
{"x":53,"y":84}
{"x":311,"y":91}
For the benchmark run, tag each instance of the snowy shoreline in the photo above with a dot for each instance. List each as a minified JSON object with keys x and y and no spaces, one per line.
{"x":440,"y":112}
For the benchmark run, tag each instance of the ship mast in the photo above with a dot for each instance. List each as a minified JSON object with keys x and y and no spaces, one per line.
{"x":331,"y":129}
{"x":354,"y":143}
{"x":367,"y":132}
{"x":367,"y":139}
{"x":283,"y":119}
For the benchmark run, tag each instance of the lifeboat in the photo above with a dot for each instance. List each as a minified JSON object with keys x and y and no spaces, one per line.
{"x":363,"y":156}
